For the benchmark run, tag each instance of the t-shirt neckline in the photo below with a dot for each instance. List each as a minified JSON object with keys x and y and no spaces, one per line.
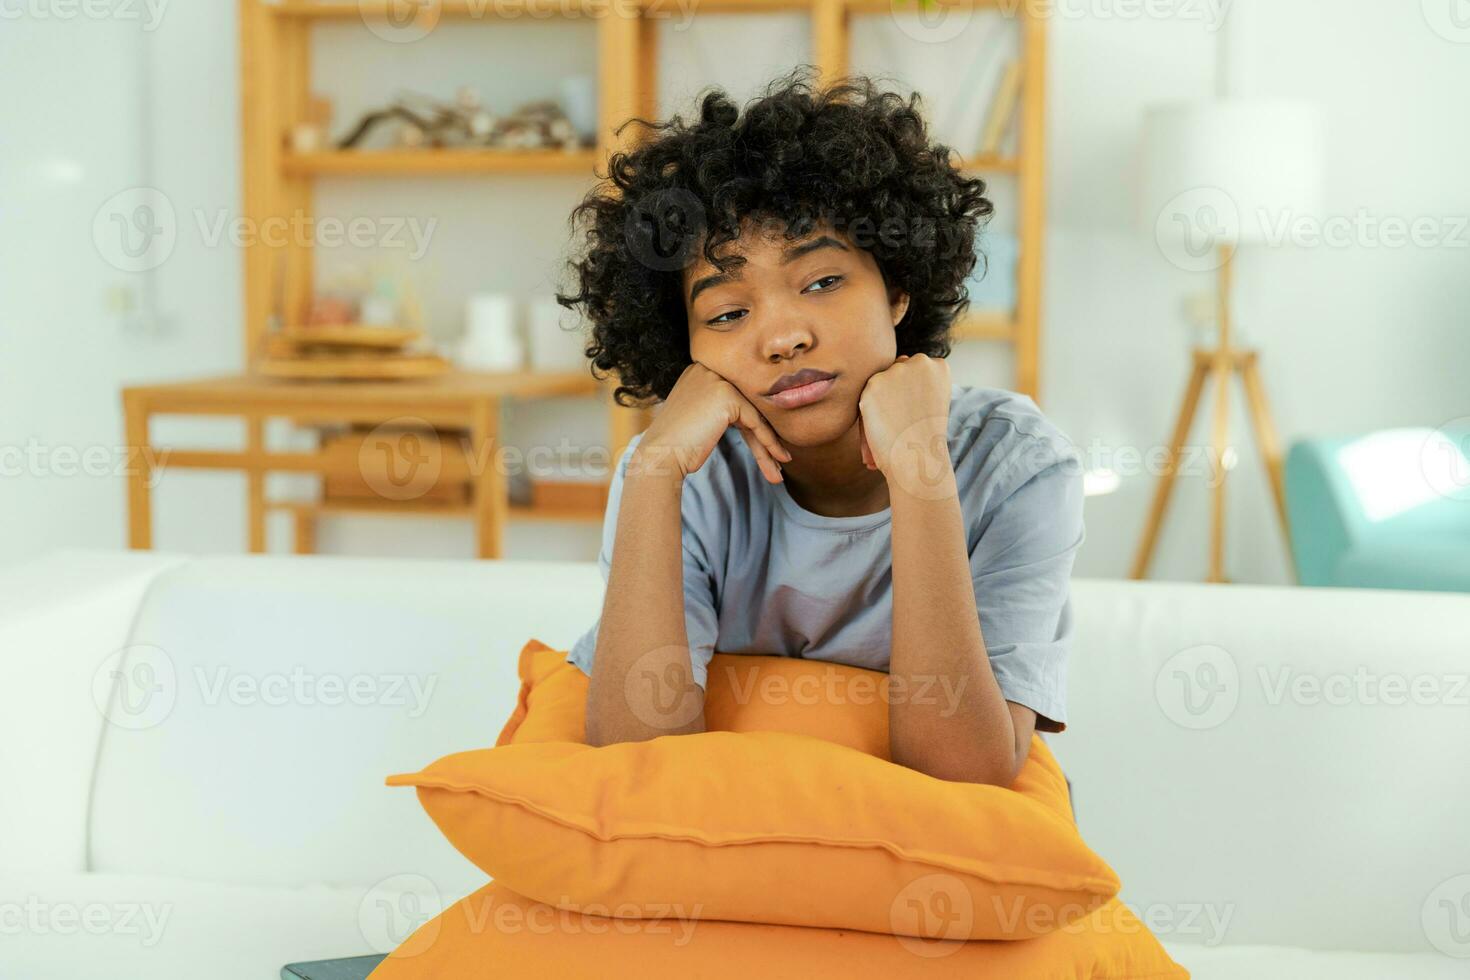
{"x":855,"y":522}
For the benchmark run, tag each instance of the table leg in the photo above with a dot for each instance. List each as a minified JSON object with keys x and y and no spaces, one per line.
{"x":490,"y":493}
{"x":140,"y":474}
{"x":305,"y":532}
{"x":255,"y":482}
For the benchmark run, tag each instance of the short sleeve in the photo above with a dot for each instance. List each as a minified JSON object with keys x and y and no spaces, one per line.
{"x":1021,"y":567}
{"x":701,"y":621}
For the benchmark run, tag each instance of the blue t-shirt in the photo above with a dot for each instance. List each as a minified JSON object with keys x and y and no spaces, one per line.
{"x":762,"y":575}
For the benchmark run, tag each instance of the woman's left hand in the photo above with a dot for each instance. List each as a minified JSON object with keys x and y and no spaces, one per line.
{"x":903,"y":422}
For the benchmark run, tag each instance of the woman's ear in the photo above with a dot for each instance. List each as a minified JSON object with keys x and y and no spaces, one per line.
{"x":898,"y":305}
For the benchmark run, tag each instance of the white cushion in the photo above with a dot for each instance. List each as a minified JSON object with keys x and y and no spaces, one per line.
{"x":61,"y":618}
{"x":1309,"y":823}
{"x":1287,"y":963}
{"x":291,"y":687}
{"x":105,"y":926}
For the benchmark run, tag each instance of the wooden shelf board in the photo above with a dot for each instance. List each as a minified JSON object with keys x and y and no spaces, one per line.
{"x":985,"y":325}
{"x":388,"y":163}
{"x":411,"y":508}
{"x":543,"y":9}
{"x":990,"y":163}
{"x":537,"y":10}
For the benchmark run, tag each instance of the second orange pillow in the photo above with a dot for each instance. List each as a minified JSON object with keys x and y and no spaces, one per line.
{"x":797,"y":819}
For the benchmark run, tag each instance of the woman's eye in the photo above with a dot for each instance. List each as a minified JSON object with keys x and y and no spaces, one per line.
{"x":721,"y":318}
{"x":832,"y":278}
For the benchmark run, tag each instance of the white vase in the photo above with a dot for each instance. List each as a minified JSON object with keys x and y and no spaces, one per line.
{"x":491,"y":341}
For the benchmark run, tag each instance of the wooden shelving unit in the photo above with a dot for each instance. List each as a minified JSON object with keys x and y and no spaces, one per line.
{"x":276,"y":88}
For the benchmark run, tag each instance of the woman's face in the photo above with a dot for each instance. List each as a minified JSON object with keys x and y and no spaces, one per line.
{"x":815,"y":304}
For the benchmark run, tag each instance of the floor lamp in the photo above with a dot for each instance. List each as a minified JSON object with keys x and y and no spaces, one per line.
{"x":1215,"y":175}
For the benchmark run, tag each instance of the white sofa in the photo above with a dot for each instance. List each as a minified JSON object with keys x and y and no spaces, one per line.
{"x":193,"y":751}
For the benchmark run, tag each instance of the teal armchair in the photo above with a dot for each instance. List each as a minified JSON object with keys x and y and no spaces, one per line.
{"x":1386,"y":510}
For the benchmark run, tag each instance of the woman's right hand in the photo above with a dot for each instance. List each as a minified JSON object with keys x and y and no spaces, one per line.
{"x":701,"y":406}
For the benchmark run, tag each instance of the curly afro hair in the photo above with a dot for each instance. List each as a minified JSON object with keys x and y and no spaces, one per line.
{"x":848,"y":154}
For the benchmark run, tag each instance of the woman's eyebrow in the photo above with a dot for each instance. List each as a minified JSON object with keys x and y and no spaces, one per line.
{"x":788,"y":255}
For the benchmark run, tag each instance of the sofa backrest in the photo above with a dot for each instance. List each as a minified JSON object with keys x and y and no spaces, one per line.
{"x":1294,"y":762}
{"x":265,"y":699}
{"x":63,"y":616}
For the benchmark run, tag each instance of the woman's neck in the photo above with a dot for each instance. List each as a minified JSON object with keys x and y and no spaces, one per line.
{"x":831,"y":480}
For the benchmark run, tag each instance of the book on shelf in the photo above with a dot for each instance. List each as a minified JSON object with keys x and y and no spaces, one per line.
{"x":1002,"y":109}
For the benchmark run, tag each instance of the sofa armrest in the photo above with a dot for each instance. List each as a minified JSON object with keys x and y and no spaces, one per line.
{"x":61,"y":616}
{"x":1323,"y":513}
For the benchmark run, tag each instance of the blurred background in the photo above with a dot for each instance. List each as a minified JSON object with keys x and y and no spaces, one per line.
{"x":333,"y":231}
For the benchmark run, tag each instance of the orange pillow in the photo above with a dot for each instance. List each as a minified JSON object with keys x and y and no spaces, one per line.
{"x":497,"y":933}
{"x":743,"y":693}
{"x":761,"y":826}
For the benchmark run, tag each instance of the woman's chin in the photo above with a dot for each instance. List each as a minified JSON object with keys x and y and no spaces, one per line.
{"x":807,"y":428}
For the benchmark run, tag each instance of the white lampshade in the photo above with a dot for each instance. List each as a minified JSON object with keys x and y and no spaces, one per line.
{"x":1230,"y":170}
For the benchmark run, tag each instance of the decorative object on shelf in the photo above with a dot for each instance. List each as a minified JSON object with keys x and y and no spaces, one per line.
{"x":348,"y":350}
{"x":491,"y":341}
{"x":380,"y":307}
{"x":331,"y":310}
{"x":579,"y":102}
{"x":310,"y":135}
{"x":554,"y":345}
{"x":1215,"y":174}
{"x":992,"y":283}
{"x":536,"y":125}
{"x":423,"y":121}
{"x":354,"y":366}
{"x":1002,"y":109}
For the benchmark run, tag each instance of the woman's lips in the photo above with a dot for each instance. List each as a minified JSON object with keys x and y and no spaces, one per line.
{"x":803,"y":394}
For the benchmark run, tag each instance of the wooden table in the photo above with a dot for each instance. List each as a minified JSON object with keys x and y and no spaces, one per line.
{"x":458,"y":399}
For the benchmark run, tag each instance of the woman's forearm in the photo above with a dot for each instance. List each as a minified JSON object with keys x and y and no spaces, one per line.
{"x":947,"y":716}
{"x":642,"y":681}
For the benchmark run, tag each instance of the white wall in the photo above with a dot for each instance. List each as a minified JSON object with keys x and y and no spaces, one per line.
{"x":1352,"y":338}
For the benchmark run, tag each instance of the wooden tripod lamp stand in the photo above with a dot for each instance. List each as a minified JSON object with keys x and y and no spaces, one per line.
{"x":1216,"y":174}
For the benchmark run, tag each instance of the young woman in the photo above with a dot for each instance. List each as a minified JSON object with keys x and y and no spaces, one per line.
{"x":813,"y":485}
